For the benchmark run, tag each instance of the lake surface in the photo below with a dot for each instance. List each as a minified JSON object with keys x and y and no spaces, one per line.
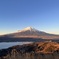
{"x":4,"y":45}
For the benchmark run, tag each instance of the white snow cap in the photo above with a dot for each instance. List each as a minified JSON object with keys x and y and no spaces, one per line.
{"x":28,"y":28}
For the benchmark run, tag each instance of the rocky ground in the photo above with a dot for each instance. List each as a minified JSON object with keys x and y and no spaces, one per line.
{"x":37,"y":50}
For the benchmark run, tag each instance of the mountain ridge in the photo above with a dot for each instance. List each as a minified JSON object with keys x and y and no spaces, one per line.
{"x":30,"y":32}
{"x":36,"y":50}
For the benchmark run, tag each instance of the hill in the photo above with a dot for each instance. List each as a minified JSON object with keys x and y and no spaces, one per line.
{"x":37,"y":50}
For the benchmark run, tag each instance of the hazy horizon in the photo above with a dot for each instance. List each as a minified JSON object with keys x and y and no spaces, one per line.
{"x":18,"y":14}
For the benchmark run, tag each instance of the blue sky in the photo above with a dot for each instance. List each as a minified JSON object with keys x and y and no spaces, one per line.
{"x":18,"y":14}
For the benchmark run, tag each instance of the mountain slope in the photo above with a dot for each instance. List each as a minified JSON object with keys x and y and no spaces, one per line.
{"x":30,"y":32}
{"x":37,"y":50}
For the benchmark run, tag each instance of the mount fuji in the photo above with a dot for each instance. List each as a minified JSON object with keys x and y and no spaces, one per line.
{"x":29,"y":32}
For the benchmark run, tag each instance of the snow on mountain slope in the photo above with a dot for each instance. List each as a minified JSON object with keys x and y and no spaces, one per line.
{"x":28,"y":29}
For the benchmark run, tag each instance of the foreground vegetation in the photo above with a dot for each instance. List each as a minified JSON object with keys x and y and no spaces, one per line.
{"x":37,"y":50}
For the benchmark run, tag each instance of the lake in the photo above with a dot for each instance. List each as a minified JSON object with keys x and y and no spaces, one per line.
{"x":4,"y":45}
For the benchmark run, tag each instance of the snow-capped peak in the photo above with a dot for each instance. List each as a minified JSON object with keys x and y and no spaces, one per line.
{"x":28,"y":28}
